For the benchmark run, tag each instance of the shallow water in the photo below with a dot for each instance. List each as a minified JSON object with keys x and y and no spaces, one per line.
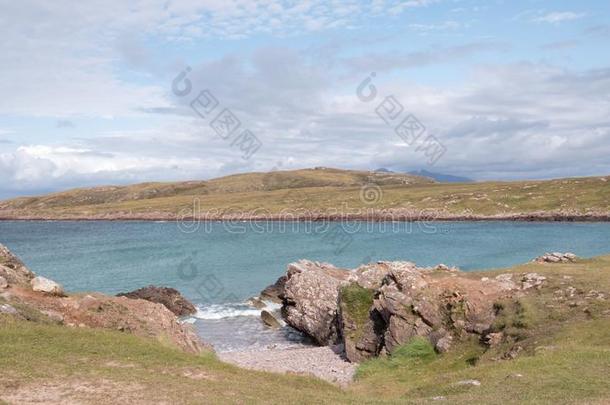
{"x":221,"y":265}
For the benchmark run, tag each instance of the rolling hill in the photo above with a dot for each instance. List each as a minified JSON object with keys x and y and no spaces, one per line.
{"x":325,"y":192}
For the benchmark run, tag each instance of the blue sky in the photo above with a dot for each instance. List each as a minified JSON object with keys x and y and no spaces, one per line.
{"x":510,"y":89}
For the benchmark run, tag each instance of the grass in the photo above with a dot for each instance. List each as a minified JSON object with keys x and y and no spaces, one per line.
{"x":565,"y":358}
{"x":356,"y":301}
{"x":417,"y":353}
{"x":324,"y":191}
{"x":140,"y":369}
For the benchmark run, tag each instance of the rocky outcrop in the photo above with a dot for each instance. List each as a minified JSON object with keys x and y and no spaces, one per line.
{"x":169,"y":297}
{"x":12,"y":269}
{"x":417,"y":302}
{"x":378,"y":307}
{"x":38,"y":299}
{"x":310,"y":299}
{"x":556,"y":257}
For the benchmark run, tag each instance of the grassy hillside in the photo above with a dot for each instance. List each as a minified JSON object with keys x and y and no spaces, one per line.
{"x":565,"y":359}
{"x":323,"y":191}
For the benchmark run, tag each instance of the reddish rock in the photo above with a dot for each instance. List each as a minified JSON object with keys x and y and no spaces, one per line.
{"x":169,"y":297}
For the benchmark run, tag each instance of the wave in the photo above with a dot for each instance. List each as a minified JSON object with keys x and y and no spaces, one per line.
{"x":222,"y":311}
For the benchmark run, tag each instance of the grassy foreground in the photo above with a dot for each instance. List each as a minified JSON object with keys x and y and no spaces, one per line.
{"x":321,"y":190}
{"x":565,"y":358}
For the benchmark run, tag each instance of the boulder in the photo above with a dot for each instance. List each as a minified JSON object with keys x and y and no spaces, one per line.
{"x":8,"y":309}
{"x":169,"y":297}
{"x":270,"y":320}
{"x":505,"y":281}
{"x":3,"y":283}
{"x":570,"y":256}
{"x":275,"y":291}
{"x":44,"y":285}
{"x":444,"y":267}
{"x":257,"y":303}
{"x":310,"y":304}
{"x":494,"y":339}
{"x":532,"y":280}
{"x":442,"y":340}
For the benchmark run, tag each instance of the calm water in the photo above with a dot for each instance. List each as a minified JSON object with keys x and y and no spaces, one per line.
{"x":221,"y":265}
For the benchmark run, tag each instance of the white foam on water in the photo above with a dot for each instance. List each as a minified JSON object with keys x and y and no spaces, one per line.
{"x":272,"y":306}
{"x":238,"y":326}
{"x":222,"y":311}
{"x":218,"y":311}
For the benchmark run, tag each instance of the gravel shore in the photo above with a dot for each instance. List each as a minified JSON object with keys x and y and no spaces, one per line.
{"x":323,"y":362}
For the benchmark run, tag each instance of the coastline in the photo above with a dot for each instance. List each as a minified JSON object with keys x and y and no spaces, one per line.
{"x":288,"y":217}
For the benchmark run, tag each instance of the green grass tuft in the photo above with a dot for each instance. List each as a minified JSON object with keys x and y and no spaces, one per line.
{"x":417,"y":352}
{"x":356,"y":302}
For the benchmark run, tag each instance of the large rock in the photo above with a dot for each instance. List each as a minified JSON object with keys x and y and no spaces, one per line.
{"x":8,"y":309}
{"x":44,"y":285}
{"x":310,"y":300}
{"x":379,"y":307}
{"x":169,"y":297}
{"x":274,"y":292}
{"x":12,"y":269}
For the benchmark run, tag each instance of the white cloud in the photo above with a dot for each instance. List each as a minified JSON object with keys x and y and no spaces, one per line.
{"x":557,"y":17}
{"x":40,"y":166}
{"x":399,"y":60}
{"x":516,"y":120}
{"x":60,"y":59}
{"x":444,"y":26}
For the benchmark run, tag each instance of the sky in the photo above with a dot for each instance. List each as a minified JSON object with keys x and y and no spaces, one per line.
{"x":115,"y":92}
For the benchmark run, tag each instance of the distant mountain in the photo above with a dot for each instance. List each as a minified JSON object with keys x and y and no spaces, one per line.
{"x":442,"y":178}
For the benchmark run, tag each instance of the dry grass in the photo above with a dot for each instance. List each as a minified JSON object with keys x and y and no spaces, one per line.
{"x":320,"y":190}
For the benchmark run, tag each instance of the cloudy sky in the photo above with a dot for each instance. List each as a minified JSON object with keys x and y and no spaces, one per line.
{"x":91,"y":92}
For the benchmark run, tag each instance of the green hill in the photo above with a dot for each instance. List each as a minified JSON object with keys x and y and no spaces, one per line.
{"x":324,"y":191}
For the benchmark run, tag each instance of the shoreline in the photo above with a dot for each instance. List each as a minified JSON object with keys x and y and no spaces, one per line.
{"x":374,"y":217}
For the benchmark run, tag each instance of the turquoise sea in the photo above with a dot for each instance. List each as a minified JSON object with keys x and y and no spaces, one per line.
{"x":220,"y":265}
